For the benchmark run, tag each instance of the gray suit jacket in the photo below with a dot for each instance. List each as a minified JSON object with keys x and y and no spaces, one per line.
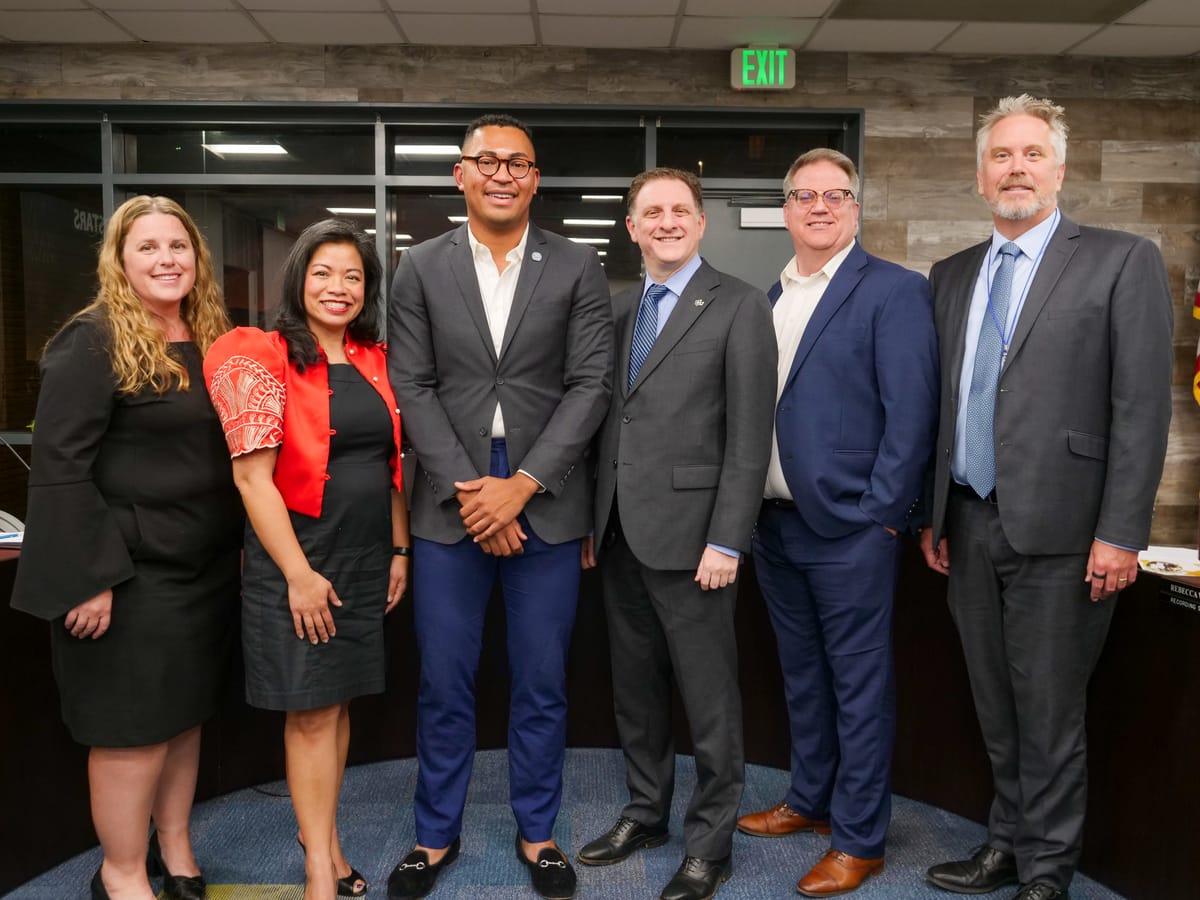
{"x":685,"y":452}
{"x":552,"y":377}
{"x":1084,"y":398}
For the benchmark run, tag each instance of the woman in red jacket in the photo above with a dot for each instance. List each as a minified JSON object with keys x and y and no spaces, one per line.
{"x":314,"y":433}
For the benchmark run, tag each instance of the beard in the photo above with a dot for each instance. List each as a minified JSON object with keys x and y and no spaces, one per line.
{"x":1017,"y":209}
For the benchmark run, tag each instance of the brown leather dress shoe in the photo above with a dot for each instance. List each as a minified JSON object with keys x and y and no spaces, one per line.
{"x":779,"y":821}
{"x":838,"y":873}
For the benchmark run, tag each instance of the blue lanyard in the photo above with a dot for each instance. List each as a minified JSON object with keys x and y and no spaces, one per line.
{"x":1006,"y":331}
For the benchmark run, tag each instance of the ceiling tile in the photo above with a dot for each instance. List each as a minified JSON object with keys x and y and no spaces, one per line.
{"x":475,"y":31}
{"x":1096,"y":11}
{"x":1164,"y":12}
{"x":873,"y":36}
{"x":782,"y":9}
{"x":330,"y":28}
{"x":56,"y":27}
{"x":329,"y":6}
{"x":191,"y":27}
{"x":1012,"y":38}
{"x":41,"y":5}
{"x":609,"y":7}
{"x":1141,"y":40}
{"x":600,"y":31}
{"x":165,"y":5}
{"x":698,"y":32}
{"x":494,"y":7}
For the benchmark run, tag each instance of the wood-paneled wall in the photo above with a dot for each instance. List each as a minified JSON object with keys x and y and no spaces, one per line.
{"x":1133,"y":161}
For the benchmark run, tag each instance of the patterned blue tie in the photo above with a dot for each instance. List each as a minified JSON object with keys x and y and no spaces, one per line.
{"x":645,"y":330}
{"x":981,"y":403}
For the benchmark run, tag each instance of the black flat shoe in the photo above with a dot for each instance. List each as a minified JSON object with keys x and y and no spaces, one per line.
{"x":621,"y":841}
{"x":175,"y":887}
{"x":99,"y":891}
{"x":346,"y":886}
{"x":551,"y":874}
{"x":415,"y":876}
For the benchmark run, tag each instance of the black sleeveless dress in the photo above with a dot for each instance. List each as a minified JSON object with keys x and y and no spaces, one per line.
{"x":350,"y":544}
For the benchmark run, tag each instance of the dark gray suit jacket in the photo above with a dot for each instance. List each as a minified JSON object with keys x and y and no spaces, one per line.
{"x":552,"y":377}
{"x":685,"y":452}
{"x":1084,"y":400}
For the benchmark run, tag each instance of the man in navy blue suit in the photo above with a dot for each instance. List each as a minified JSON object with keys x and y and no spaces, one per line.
{"x":855,"y":423}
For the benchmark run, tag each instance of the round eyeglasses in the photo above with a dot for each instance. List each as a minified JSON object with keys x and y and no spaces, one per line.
{"x":518,"y":166}
{"x":805,"y":197}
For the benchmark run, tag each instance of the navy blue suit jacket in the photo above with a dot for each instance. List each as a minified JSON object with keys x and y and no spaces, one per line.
{"x":857,"y":417}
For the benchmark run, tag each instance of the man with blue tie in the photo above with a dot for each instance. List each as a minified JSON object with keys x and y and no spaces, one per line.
{"x":1056,"y":400}
{"x":500,"y":356}
{"x":854,"y":427}
{"x":682,"y":455}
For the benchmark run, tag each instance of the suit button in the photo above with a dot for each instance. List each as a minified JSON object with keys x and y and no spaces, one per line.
{"x":483,"y":432}
{"x":626,"y":419}
{"x":499,"y":381}
{"x":614,"y":462}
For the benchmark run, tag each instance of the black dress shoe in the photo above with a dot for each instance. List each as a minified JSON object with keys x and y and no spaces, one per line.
{"x":551,"y":874}
{"x":621,"y":841}
{"x":1040,"y":890}
{"x":986,"y":870}
{"x":99,"y":891}
{"x":697,"y":879}
{"x":415,"y":876}
{"x":175,"y":887}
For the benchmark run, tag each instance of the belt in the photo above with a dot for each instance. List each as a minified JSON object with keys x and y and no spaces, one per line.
{"x":777,"y":503}
{"x":968,"y":492}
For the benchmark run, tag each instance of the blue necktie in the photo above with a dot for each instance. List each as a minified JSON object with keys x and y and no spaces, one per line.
{"x":981,"y":403}
{"x":645,"y":330}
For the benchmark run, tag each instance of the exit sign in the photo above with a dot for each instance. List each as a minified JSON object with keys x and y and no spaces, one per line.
{"x":762,"y":69}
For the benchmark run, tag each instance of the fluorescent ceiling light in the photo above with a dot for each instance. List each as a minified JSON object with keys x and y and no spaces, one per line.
{"x":428,"y":150}
{"x":223,"y":150}
{"x":457,"y":220}
{"x":603,"y":198}
{"x":369,"y":231}
{"x":352,"y":210}
{"x":584,"y":240}
{"x":602,"y":253}
{"x":404,"y":237}
{"x":598,"y":223}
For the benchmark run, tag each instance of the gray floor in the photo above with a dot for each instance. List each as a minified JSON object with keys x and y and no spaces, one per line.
{"x":246,"y":841}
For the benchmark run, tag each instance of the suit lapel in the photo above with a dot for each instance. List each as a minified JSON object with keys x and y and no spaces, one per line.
{"x":848,"y":275}
{"x":956,"y":334}
{"x":697,"y":296}
{"x":462,"y":264}
{"x":628,"y":301}
{"x":537,"y":253}
{"x":1059,"y":251}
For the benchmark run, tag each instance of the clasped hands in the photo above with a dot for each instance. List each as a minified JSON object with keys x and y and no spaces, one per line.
{"x":489,"y":507}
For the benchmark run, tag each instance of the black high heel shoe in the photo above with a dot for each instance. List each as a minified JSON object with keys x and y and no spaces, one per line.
{"x":99,"y":891}
{"x":175,"y":887}
{"x":346,"y":887}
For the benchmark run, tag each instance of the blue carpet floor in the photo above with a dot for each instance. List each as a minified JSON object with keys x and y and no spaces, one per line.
{"x":246,"y":841}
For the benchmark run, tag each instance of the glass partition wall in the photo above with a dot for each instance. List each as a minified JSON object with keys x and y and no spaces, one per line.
{"x":254,"y":176}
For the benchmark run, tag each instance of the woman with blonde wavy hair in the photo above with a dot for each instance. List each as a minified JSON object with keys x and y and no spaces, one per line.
{"x":133,"y":538}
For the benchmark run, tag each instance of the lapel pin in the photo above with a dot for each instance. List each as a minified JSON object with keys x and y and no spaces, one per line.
{"x":536,"y":255}
{"x":699,"y":301}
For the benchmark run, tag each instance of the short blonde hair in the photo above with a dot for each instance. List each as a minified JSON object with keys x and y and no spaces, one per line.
{"x":827,"y":154}
{"x":1025,"y":105}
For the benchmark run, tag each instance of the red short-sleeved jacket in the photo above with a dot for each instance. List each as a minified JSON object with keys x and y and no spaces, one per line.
{"x":265,"y":401}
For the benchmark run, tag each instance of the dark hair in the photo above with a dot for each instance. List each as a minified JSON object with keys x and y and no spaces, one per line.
{"x":663,"y":172}
{"x":497,"y":120}
{"x":291,"y":321}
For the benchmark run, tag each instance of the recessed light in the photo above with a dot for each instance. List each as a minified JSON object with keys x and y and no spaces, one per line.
{"x":602,"y":198}
{"x":428,"y":150}
{"x":587,"y":240}
{"x":223,"y":150}
{"x":352,"y":210}
{"x":598,"y":223}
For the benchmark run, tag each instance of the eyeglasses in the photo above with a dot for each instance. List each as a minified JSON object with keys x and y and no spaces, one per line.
{"x":833,"y":199}
{"x":518,"y":166}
